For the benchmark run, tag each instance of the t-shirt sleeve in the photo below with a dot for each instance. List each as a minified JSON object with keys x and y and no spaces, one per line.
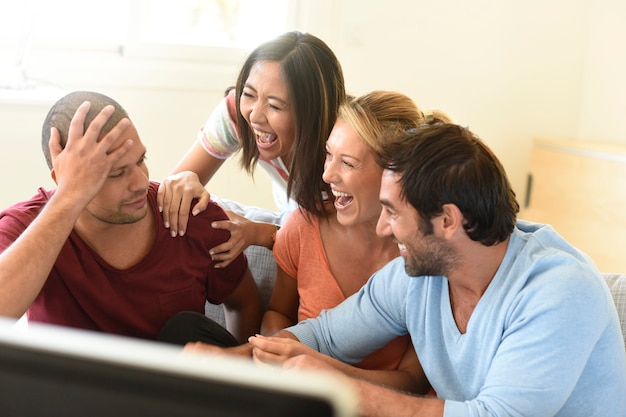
{"x":10,"y":230}
{"x":287,"y":245}
{"x":15,"y":219}
{"x":219,"y":135}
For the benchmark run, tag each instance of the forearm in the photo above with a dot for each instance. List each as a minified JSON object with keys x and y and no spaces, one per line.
{"x":26,"y":264}
{"x":264,"y":234}
{"x":397,"y":379}
{"x":377,"y":401}
{"x":402,"y":380}
{"x":198,"y":161}
{"x":243,"y":322}
{"x":273,"y":322}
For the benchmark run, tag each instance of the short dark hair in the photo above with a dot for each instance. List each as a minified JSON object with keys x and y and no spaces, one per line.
{"x":316,"y":88}
{"x":62,"y":112}
{"x":446,"y":163}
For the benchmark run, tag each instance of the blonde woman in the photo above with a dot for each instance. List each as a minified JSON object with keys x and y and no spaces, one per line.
{"x":322,"y":260}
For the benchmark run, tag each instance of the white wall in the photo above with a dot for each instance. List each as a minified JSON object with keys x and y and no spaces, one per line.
{"x":603,"y":104}
{"x":509,"y":70}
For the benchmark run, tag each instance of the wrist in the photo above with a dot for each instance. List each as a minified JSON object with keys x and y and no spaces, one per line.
{"x":273,"y":236}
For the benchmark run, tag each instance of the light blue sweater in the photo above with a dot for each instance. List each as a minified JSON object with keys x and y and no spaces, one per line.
{"x":544,"y":340}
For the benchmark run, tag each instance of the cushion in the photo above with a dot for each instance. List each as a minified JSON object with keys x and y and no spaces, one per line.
{"x":263,"y":267}
{"x":617,"y":285}
{"x":260,"y":259}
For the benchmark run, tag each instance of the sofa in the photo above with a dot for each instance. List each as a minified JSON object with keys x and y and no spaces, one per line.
{"x":617,"y":285}
{"x":263,"y":269}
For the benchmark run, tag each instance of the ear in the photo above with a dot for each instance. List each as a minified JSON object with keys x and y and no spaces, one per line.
{"x":452,"y":220}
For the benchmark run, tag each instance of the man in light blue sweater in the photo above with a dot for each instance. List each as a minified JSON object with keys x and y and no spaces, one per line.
{"x":507,"y":318}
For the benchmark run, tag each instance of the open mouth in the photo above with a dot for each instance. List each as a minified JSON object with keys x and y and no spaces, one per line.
{"x":342,"y":199}
{"x":265,"y":139}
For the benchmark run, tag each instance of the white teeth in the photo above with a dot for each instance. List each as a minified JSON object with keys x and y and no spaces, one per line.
{"x":340,"y":194}
{"x":401,"y":246}
{"x":264,"y":137}
{"x":262,"y":134}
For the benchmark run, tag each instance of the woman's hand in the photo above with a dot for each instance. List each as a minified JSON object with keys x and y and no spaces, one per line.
{"x":277,"y":350}
{"x":174,"y":198}
{"x":243,"y":233}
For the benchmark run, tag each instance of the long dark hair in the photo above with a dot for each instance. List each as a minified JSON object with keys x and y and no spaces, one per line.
{"x":316,"y":89}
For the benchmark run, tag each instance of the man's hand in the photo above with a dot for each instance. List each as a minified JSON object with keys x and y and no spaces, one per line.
{"x":244,"y":350}
{"x":82,"y":167}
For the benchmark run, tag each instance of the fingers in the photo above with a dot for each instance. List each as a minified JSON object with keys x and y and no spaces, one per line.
{"x":173,"y":205}
{"x":202,"y":204}
{"x":76,"y":129}
{"x":78,"y":120}
{"x":200,"y":347}
{"x":55,"y":143}
{"x":225,"y":253}
{"x":92,"y":134}
{"x":164,"y":201}
{"x":228,"y":251}
{"x":272,"y":349}
{"x":82,"y":166}
{"x":113,"y":135}
{"x":174,"y":198}
{"x":161,"y":197}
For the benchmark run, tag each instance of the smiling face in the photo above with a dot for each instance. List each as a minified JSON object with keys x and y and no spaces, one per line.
{"x":123,"y":197}
{"x":353,"y":174}
{"x":265,"y":105}
{"x":424,"y":252}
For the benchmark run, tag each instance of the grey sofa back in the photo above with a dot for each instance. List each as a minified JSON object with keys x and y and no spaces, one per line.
{"x":617,"y":285}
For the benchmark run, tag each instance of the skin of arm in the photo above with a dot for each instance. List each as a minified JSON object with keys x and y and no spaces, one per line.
{"x":243,"y":309}
{"x":79,"y":171}
{"x":281,"y":348}
{"x":282,"y":310}
{"x":375,"y":400}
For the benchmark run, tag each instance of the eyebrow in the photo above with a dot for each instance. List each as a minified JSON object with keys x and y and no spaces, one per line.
{"x":344,"y":155}
{"x":142,"y":157}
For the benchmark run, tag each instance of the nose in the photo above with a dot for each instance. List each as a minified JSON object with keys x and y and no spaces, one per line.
{"x":329,"y":175}
{"x":140,"y":179}
{"x":382,"y":226}
{"x":257,"y":113}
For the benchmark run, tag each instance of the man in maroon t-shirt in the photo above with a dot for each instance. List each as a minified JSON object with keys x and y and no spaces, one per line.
{"x":94,"y":254}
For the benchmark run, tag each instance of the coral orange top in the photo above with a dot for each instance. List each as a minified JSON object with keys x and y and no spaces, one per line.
{"x":300,"y":253}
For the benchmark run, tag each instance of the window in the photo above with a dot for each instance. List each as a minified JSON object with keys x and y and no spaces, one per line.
{"x":222,"y":23}
{"x":205,"y":30}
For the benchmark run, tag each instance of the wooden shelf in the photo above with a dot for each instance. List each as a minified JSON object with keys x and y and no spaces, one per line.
{"x":580,"y":189}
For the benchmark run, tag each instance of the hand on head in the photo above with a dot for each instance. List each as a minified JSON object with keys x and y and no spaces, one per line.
{"x":84,"y":164}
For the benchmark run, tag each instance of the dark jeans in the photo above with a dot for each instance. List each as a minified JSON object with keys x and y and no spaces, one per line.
{"x":189,"y":326}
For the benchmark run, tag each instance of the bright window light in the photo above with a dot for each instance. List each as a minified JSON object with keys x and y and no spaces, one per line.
{"x":210,"y":30}
{"x":219,"y":23}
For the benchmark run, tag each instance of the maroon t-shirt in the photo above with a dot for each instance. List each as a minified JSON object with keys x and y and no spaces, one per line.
{"x":84,"y":291}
